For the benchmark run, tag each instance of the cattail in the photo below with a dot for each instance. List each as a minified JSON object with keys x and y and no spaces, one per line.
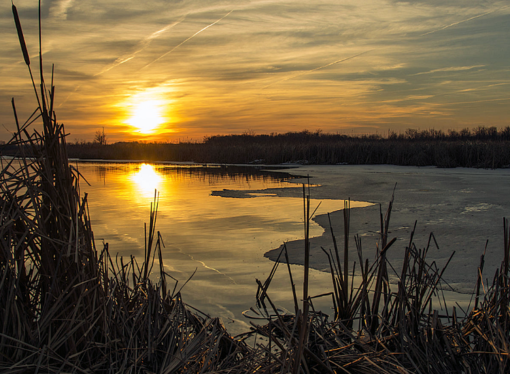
{"x":20,"y":35}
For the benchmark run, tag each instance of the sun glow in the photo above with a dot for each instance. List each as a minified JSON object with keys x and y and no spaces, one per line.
{"x":147,"y":116}
{"x":147,"y":180}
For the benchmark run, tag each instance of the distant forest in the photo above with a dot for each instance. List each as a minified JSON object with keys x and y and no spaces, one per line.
{"x":482,"y":147}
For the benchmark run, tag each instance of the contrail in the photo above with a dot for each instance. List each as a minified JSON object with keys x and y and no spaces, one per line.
{"x":142,"y":45}
{"x":453,"y":68}
{"x":205,"y":265}
{"x":320,"y":67}
{"x":68,"y":96}
{"x":192,"y":36}
{"x":466,"y":20}
{"x":216,"y":270}
{"x":482,"y":101}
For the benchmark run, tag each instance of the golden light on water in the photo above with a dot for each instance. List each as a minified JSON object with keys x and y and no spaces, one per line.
{"x":146,"y":181}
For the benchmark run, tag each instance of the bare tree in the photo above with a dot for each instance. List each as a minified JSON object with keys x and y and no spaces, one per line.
{"x":100,"y":137}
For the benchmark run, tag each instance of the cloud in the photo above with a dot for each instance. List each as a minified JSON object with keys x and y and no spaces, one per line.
{"x":317,"y":68}
{"x":59,"y":8}
{"x":409,"y":98}
{"x":462,"y":21}
{"x":452,"y":68}
{"x":265,"y":64}
{"x":140,"y":47}
{"x":192,"y":36}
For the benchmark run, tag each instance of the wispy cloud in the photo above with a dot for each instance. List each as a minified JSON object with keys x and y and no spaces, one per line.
{"x":452,"y":68}
{"x":191,"y":37}
{"x":316,"y":69}
{"x":266,"y":65}
{"x":482,"y":101}
{"x":408,"y":98}
{"x":140,"y":47}
{"x":59,"y":8}
{"x":464,"y":20}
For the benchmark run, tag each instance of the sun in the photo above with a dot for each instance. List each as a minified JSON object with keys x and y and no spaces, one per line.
{"x":147,"y":116}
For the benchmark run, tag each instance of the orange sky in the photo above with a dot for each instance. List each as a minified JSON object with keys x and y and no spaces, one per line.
{"x":171,"y":71}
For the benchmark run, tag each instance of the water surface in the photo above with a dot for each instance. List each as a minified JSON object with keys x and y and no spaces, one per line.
{"x":223,"y":239}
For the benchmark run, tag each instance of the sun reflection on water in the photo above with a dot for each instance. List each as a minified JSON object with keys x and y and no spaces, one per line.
{"x":146,"y":181}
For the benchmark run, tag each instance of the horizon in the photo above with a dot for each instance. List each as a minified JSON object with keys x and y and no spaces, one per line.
{"x":186,"y":71}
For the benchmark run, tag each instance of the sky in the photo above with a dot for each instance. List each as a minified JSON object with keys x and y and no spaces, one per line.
{"x":171,"y":71}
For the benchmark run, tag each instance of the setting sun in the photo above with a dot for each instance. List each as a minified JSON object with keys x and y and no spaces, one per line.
{"x":146,"y":116}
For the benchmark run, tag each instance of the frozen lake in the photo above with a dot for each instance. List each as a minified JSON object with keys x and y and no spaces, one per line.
{"x":463,"y":208}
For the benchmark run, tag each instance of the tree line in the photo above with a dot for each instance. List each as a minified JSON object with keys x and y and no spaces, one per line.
{"x":482,"y":147}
